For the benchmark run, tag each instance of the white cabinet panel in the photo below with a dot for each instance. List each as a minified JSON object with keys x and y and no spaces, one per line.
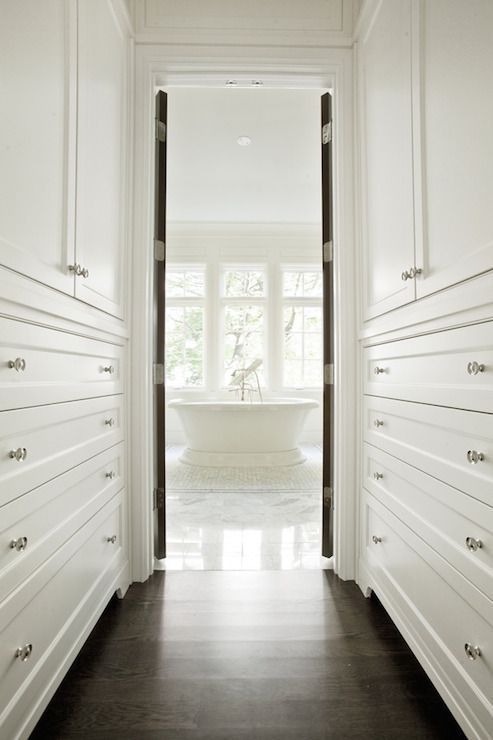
{"x":456,"y":107}
{"x":54,"y":438}
{"x":450,"y":368}
{"x":386,"y":152}
{"x":37,"y":135}
{"x":101,"y":156}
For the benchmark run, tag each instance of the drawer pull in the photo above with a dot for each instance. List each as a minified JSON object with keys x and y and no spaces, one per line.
{"x":376,"y":540}
{"x":19,"y":544}
{"x":378,"y":423}
{"x":473,"y":368}
{"x":379,"y":370}
{"x":473,"y":544}
{"x":472,"y":651}
{"x":109,"y":422}
{"x":84,"y":272}
{"x":109,"y":369}
{"x":18,"y":364}
{"x":378,"y":476}
{"x":474,"y":457}
{"x":24,"y":653}
{"x":19,"y":454}
{"x":111,"y":474}
{"x":77,"y":269}
{"x":411,"y":273}
{"x":406,"y":275}
{"x":111,"y":539}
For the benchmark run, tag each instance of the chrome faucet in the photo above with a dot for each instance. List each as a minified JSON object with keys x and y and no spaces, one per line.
{"x":239,"y":380}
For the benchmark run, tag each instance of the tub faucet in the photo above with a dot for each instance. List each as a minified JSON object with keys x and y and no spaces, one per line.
{"x":239,"y":380}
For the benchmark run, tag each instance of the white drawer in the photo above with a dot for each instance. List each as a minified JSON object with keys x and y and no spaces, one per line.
{"x":434,"y":368}
{"x":437,"y":440}
{"x":40,"y":366}
{"x":443,"y":516}
{"x":442,"y":621}
{"x":39,"y":443}
{"x":41,"y":613}
{"x":33,"y":526}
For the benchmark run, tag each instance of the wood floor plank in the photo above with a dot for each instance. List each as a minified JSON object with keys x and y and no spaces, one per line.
{"x":246,"y":656}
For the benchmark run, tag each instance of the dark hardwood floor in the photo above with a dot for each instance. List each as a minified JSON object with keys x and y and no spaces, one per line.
{"x":264,"y":655}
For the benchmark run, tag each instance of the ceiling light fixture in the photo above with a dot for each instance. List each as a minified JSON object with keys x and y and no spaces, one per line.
{"x":244,"y":140}
{"x":257,"y":83}
{"x":231,"y":83}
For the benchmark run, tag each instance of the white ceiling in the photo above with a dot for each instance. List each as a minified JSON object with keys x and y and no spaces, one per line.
{"x":212,"y":178}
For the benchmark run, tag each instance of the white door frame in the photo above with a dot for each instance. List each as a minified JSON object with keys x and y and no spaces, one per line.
{"x":159,"y":65}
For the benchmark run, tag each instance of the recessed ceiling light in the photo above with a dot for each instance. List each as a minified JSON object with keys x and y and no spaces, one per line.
{"x":231,"y":83}
{"x":257,"y":83}
{"x":244,"y":140}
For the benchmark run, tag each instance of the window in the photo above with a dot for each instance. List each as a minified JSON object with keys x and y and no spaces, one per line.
{"x":302,"y":317}
{"x":243,"y":302}
{"x":185,"y":299}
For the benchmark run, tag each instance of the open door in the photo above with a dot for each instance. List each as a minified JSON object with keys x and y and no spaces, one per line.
{"x":328,"y":322}
{"x":159,"y":318}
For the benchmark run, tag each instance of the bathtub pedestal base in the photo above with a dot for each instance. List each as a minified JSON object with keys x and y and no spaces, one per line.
{"x":242,"y":459}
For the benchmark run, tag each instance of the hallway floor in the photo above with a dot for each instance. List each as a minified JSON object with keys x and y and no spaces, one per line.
{"x":293,"y":655}
{"x":243,"y":518}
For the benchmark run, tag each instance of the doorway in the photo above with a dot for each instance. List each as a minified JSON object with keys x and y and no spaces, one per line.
{"x":244,"y":287}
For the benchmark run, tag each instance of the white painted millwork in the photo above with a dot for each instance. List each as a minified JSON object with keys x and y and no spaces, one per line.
{"x":426,"y":463}
{"x":64,"y":72}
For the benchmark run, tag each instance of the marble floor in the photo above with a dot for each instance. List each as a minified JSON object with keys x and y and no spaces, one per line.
{"x":238,"y":519}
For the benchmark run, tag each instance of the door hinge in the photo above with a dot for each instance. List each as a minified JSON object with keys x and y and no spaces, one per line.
{"x":329,"y":374}
{"x":329,"y":496}
{"x":159,"y":249}
{"x":158,"y":498}
{"x":327,"y":133}
{"x":328,"y":252}
{"x":158,"y":373}
{"x":160,"y":130}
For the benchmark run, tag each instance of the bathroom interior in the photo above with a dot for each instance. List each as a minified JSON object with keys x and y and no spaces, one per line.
{"x":243,"y":364}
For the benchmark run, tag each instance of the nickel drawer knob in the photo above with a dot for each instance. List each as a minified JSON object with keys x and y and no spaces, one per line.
{"x":24,"y":653}
{"x":406,"y":275}
{"x":19,"y":544}
{"x":77,"y":269}
{"x":378,"y":423}
{"x":473,"y":368}
{"x":379,"y":370}
{"x":84,"y":272}
{"x":474,"y":457}
{"x":112,"y":539}
{"x":378,"y":476}
{"x":19,"y":454}
{"x":18,"y":364}
{"x":109,"y":422}
{"x":376,"y":540}
{"x":473,"y":544}
{"x":472,"y":651}
{"x":111,"y":474}
{"x":109,"y":369}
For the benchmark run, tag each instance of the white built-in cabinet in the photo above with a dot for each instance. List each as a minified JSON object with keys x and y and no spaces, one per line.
{"x":425,"y":103}
{"x":63,"y":134}
{"x":425,"y":106}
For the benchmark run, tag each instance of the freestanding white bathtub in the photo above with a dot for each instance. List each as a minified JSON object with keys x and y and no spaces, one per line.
{"x":234,"y":433}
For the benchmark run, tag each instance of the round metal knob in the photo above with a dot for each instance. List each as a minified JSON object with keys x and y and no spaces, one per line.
{"x":473,"y":544}
{"x":109,"y":369}
{"x":18,"y":364}
{"x":474,"y":457}
{"x":85,"y":272}
{"x":378,"y":423}
{"x":472,"y":651}
{"x":379,"y":370}
{"x":19,"y":544}
{"x":111,"y":539}
{"x":376,"y":540}
{"x":109,"y":422}
{"x":473,"y":368}
{"x":19,"y":454}
{"x":378,"y":476}
{"x":24,"y":653}
{"x":111,"y":474}
{"x":415,"y":271}
{"x":77,"y":269}
{"x":406,"y":275}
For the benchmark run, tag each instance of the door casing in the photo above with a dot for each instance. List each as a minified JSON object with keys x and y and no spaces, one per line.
{"x":161,"y":66}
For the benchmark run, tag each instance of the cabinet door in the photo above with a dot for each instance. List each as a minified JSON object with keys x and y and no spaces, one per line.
{"x":101,"y":156}
{"x":37,"y":135}
{"x":386,"y":159}
{"x":454,"y":100}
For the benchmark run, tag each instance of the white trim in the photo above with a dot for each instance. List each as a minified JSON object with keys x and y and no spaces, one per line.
{"x":294,"y":67}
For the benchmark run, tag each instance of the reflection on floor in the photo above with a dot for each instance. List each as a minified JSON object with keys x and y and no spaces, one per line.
{"x":244,"y":519}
